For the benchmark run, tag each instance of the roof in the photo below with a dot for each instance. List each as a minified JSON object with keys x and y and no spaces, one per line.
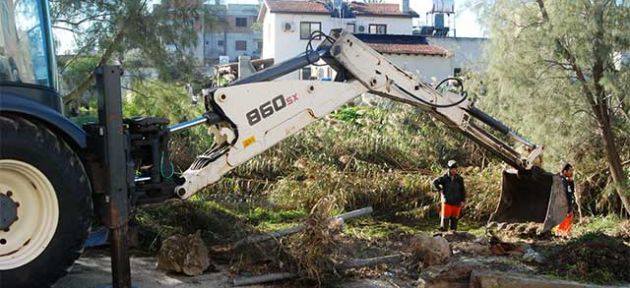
{"x":380,"y":9}
{"x":296,"y":6}
{"x":320,"y":7}
{"x":402,"y":44}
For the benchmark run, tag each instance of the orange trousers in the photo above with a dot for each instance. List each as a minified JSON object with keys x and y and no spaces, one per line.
{"x":451,"y":211}
{"x":564,"y":229}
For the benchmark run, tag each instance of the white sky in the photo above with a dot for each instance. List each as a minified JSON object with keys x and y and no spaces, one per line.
{"x":466,"y":21}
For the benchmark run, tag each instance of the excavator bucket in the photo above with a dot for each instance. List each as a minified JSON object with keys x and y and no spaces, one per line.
{"x":531,"y":196}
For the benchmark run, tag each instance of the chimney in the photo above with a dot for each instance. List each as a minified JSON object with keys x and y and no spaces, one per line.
{"x":404,"y":6}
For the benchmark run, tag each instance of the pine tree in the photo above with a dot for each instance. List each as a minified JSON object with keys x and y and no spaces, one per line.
{"x":556,"y":73}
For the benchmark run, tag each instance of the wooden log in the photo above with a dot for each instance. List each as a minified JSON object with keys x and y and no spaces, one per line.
{"x":244,"y":281}
{"x":288,"y":231}
{"x":358,"y":263}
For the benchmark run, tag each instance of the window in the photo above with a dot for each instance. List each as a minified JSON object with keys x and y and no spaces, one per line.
{"x":377,"y":29}
{"x":457,"y":72}
{"x":241,"y":22}
{"x":260,"y":45}
{"x":240,"y":45}
{"x":307,"y":28}
{"x":305,"y":73}
{"x":220,"y":43}
{"x":350,"y":27}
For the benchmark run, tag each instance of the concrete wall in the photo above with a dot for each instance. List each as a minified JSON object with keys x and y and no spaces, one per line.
{"x":430,"y":69}
{"x":467,"y":53}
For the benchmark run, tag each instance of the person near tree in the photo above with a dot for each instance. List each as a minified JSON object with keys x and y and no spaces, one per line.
{"x":566,"y":175}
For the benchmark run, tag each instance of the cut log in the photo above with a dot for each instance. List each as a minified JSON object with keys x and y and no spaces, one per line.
{"x":358,"y":263}
{"x":288,"y":231}
{"x":244,"y":281}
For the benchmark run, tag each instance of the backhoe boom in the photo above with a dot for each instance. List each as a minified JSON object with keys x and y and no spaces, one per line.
{"x":255,"y":115}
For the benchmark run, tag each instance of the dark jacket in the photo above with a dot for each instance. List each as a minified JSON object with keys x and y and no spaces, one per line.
{"x":569,"y":189}
{"x":452,"y":188}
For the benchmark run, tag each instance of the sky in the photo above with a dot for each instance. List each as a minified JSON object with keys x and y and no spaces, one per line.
{"x":466,"y":20}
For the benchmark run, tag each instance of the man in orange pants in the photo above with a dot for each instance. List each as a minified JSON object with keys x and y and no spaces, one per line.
{"x":564,"y":229}
{"x":453,"y":196}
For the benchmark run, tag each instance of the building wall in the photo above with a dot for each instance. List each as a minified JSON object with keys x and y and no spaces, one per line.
{"x":282,"y":45}
{"x":395,"y":25}
{"x":429,"y":69}
{"x":208,"y":49}
{"x":467,"y":53}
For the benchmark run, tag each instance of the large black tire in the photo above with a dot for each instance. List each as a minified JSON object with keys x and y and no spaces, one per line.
{"x":32,"y":142}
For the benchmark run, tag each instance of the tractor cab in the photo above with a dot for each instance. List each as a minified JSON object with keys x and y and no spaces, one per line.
{"x":26,"y":46}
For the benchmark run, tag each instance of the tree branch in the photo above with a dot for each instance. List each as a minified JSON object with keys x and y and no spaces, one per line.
{"x":114,"y":44}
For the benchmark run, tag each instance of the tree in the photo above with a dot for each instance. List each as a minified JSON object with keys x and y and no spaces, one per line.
{"x":160,"y":35}
{"x":556,"y":64}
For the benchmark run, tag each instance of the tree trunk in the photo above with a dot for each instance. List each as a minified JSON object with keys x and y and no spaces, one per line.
{"x":597,"y":99}
{"x":601,"y":109}
{"x":614,"y":163}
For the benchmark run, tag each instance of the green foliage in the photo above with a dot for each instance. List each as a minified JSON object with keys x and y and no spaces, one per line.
{"x":534,"y":90}
{"x":365,"y":156}
{"x":136,"y":33}
{"x":171,"y":102}
{"x":260,"y":214}
{"x":557,"y":79}
{"x":609,"y":225}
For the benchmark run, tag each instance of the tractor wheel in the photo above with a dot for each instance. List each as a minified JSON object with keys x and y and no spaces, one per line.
{"x":45,"y":204}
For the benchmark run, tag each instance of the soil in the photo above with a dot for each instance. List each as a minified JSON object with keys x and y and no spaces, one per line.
{"x":596,"y":258}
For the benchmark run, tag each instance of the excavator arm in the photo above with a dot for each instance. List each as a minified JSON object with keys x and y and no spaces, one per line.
{"x":253,"y":114}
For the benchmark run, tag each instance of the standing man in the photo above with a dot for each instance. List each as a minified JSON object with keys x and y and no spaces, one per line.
{"x":453,"y":196}
{"x":566,"y":175}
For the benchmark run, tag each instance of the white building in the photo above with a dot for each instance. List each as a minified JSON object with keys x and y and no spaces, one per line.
{"x":466,"y":53}
{"x":288,"y":24}
{"x":235,"y":36}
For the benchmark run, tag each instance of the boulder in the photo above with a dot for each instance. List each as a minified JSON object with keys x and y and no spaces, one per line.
{"x":184,"y":254}
{"x":429,"y":250}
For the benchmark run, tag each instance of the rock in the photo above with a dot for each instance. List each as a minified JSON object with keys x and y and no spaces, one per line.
{"x":455,"y":274}
{"x":184,"y":254}
{"x":429,"y":250}
{"x":488,"y":279}
{"x":532,"y":256}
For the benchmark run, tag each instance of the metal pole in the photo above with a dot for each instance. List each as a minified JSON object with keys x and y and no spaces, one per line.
{"x":116,"y":171}
{"x":187,"y":124}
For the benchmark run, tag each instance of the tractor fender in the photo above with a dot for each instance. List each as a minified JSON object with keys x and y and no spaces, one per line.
{"x":56,"y":121}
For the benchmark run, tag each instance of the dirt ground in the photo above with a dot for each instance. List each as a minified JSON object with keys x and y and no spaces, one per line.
{"x":598,"y":259}
{"x":93,"y":270}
